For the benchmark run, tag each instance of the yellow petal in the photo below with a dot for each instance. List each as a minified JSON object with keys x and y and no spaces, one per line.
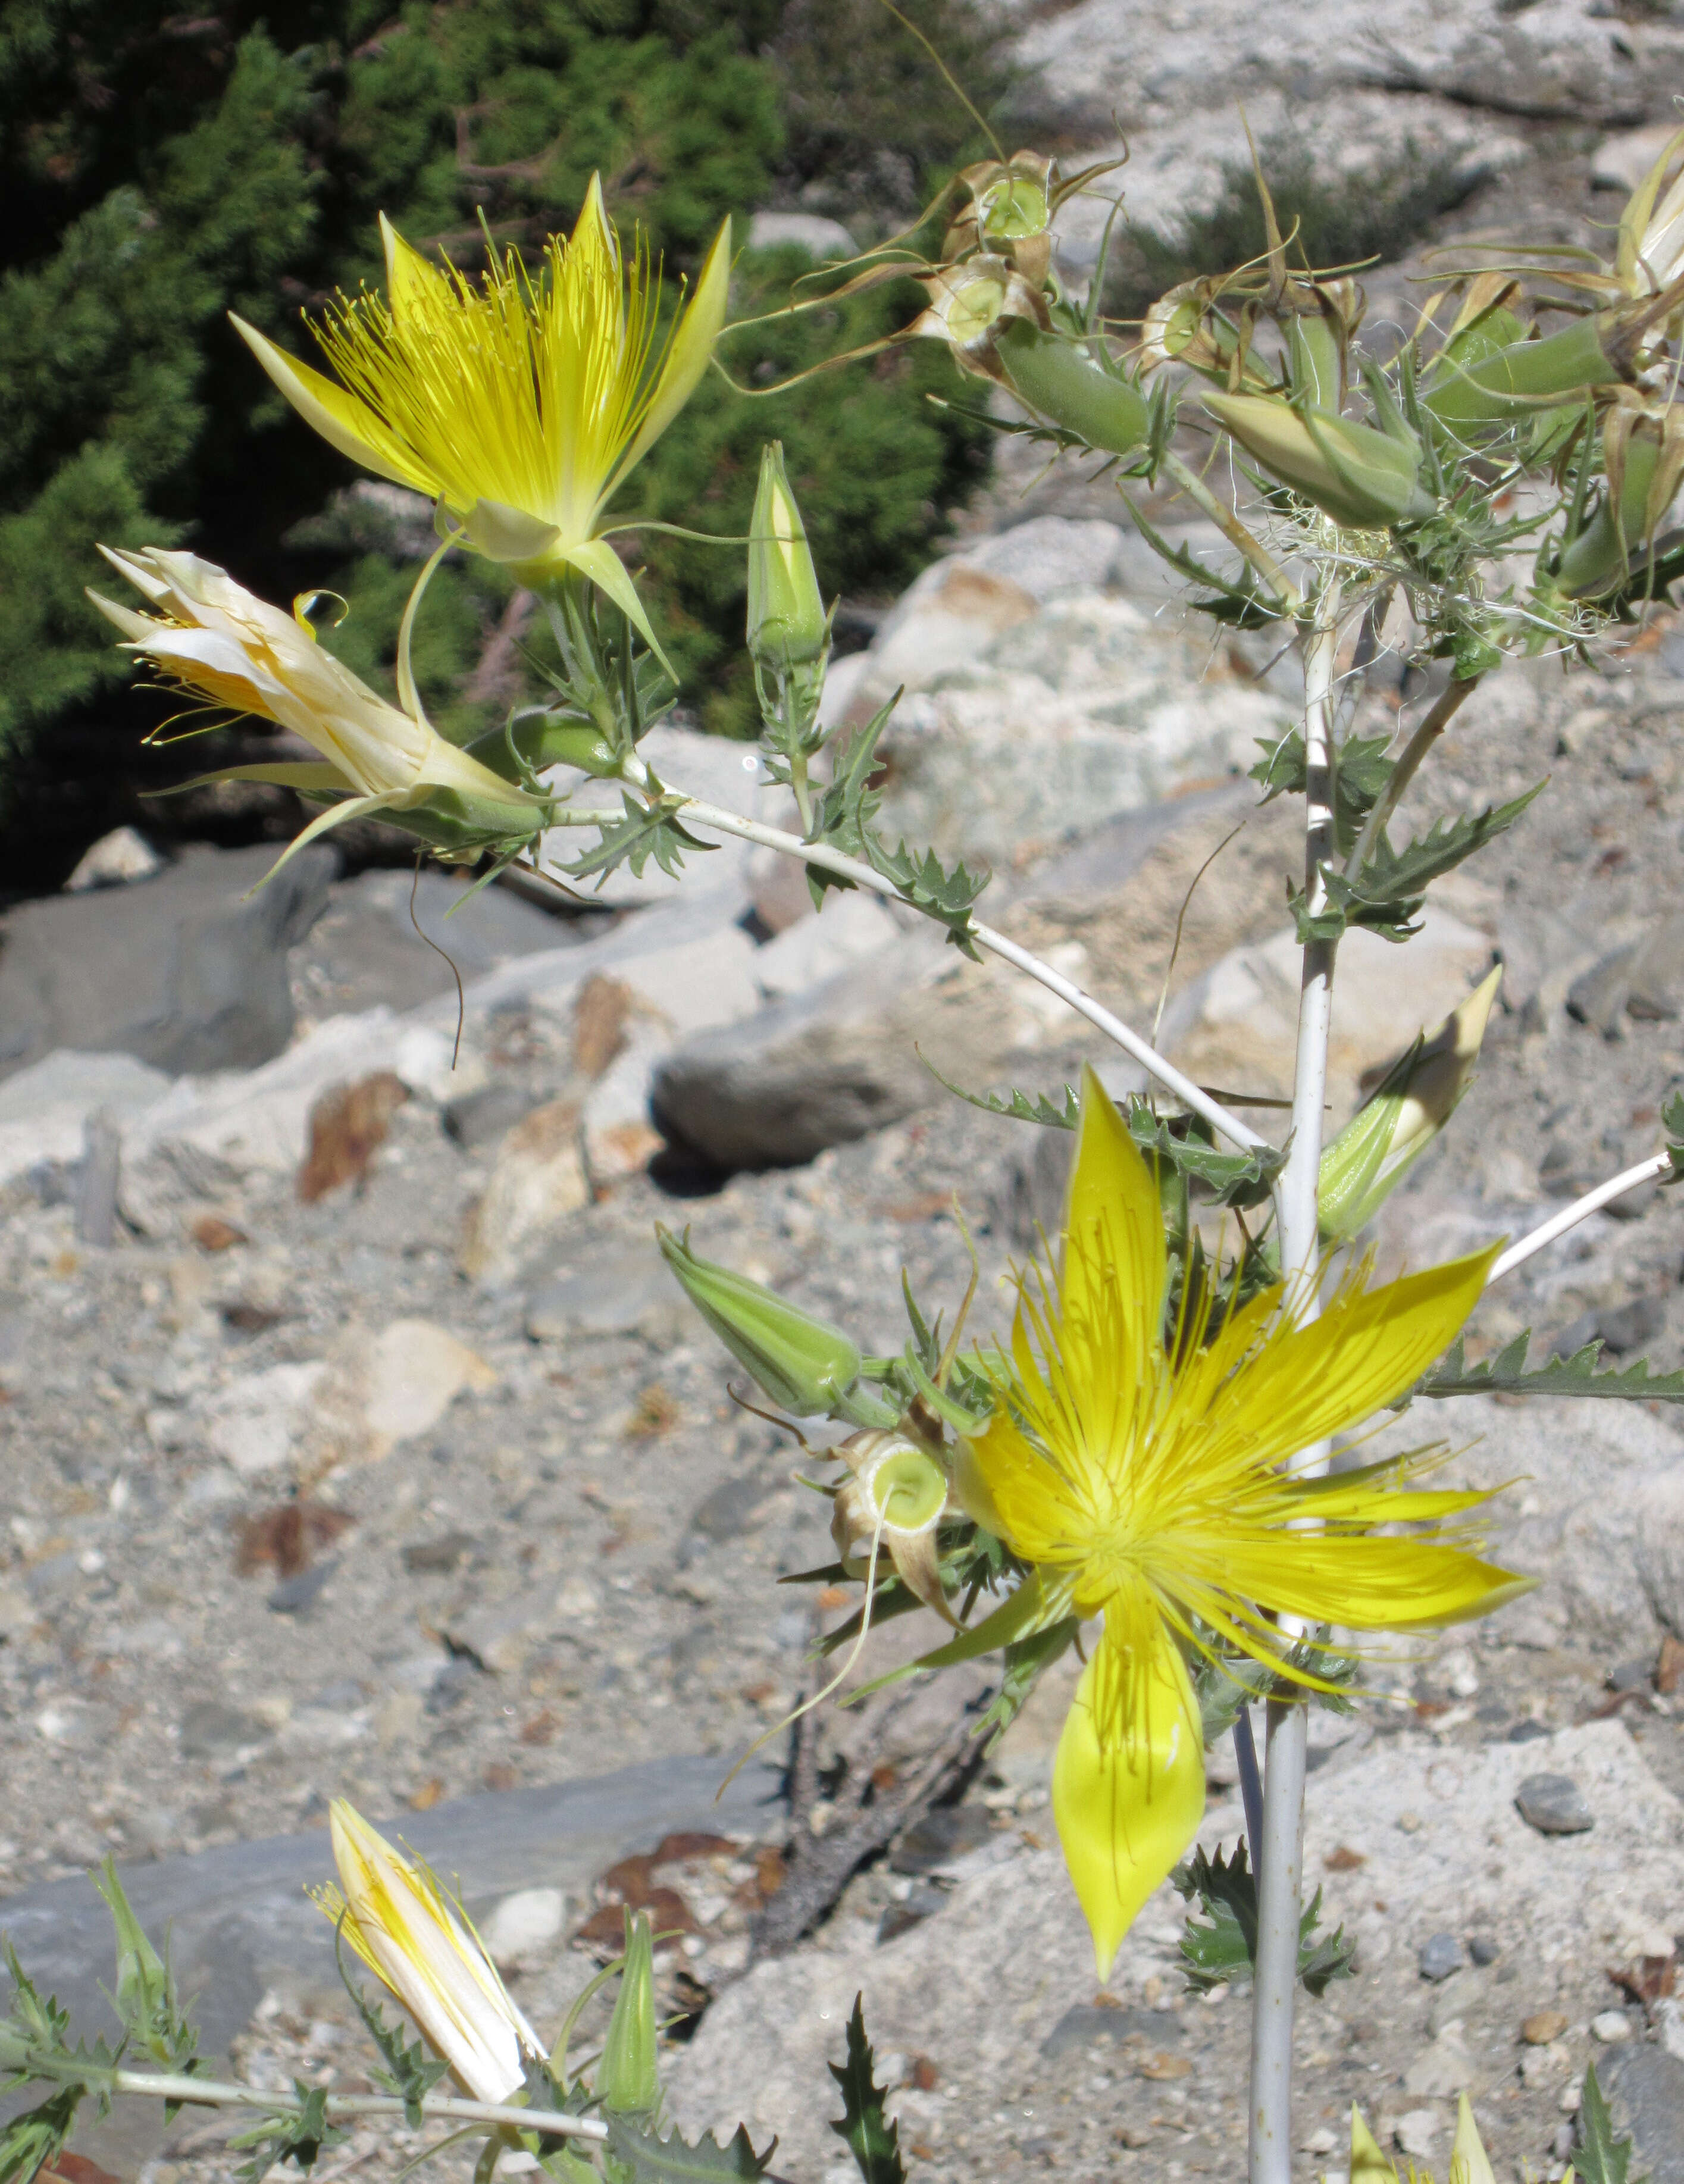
{"x":1129,"y":1780}
{"x":1364,"y":1583}
{"x":409,"y":279}
{"x":1368,"y":2165}
{"x":342,"y":419}
{"x":1368,"y":1346}
{"x":1113,"y":1227}
{"x":688,"y":353}
{"x":1469,"y":2163}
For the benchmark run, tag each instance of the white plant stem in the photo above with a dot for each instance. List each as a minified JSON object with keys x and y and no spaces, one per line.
{"x":1648,"y":1171}
{"x":1191,"y":1095}
{"x":1279,"y":1856}
{"x":213,"y":2092}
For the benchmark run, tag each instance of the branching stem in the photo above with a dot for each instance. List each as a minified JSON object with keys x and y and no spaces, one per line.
{"x":1648,"y":1171}
{"x":1236,"y":532}
{"x":1450,"y":702}
{"x":213,"y":2092}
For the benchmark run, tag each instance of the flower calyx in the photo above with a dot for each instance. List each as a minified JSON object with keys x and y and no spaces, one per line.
{"x":893,"y":1501}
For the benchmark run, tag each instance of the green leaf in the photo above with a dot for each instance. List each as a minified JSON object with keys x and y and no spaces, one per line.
{"x":1388,"y":892}
{"x":647,"y":2158}
{"x":299,"y":2135}
{"x":644,"y":832}
{"x":1033,"y":1606}
{"x":1599,"y":2158}
{"x":1506,"y":1374}
{"x":145,"y":1998}
{"x":844,"y":814}
{"x":928,"y":885}
{"x":29,"y":2141}
{"x":872,"y":2140}
{"x":1240,"y":603}
{"x":1359,"y":778}
{"x":1016,"y":1106}
{"x":628,"y":2075}
{"x":1025,"y":1660}
{"x":1672,"y":1122}
{"x":1225,"y":1952}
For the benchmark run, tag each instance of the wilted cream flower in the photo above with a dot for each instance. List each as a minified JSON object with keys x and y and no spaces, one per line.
{"x":419,"y":1945}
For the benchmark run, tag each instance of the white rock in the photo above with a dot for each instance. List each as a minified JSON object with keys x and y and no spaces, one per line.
{"x":1051,"y":555}
{"x":1416,"y":2132}
{"x":810,"y":232}
{"x":114,"y":861}
{"x":849,"y":927}
{"x":254,"y":1422}
{"x":1443,"y":2070}
{"x":537,"y":1179}
{"x":1621,"y":161}
{"x":1610,"y":2026}
{"x":415,"y":1370}
{"x":522,"y":1926}
{"x":44,"y":1109}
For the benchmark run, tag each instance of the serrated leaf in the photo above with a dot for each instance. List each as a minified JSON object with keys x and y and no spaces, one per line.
{"x":1225,"y":1952}
{"x":29,"y":2141}
{"x":645,"y":832}
{"x":843,"y":815}
{"x":410,"y":2073}
{"x":300,"y":2136}
{"x":1506,"y":1374}
{"x":863,"y":2127}
{"x":1387,"y":893}
{"x":946,"y":895}
{"x":649,"y":2159}
{"x":1672,"y":1122}
{"x":1024,"y":1662}
{"x":1017,"y":1106}
{"x":1359,"y":778}
{"x":146,"y":2000}
{"x":1599,"y":2158}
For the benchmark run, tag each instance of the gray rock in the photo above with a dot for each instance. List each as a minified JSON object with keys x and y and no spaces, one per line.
{"x":626,"y":1292}
{"x":810,"y":232}
{"x":733,"y":1509}
{"x":482,"y":1117}
{"x":1093,"y":2025}
{"x":1483,"y":1950}
{"x":1598,"y":997}
{"x":1051,"y":554}
{"x":941,"y":1837}
{"x":1440,"y":1956}
{"x":1645,"y":2090}
{"x":294,"y":1596}
{"x":1620,"y":1328}
{"x":1656,"y":976}
{"x":367,"y":947}
{"x":182,"y":972}
{"x":211,"y":1730}
{"x":1554,"y":1805}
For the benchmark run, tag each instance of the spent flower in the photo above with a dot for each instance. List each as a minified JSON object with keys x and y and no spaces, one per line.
{"x":419,"y":1945}
{"x":520,"y":402}
{"x":1140,"y":1471}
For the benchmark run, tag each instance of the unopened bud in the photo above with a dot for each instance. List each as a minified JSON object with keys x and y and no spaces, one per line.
{"x":787,"y":625}
{"x":1414,"y":1100}
{"x":1643,"y":455}
{"x":543,"y":738}
{"x":805,"y":1365}
{"x":628,"y":2076}
{"x":1358,"y":477}
{"x":1518,"y":380}
{"x":1099,"y":403}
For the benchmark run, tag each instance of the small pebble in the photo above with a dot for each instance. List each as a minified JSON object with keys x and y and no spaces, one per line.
{"x":1483,"y":1950}
{"x":1441,"y":1956}
{"x":1609,"y":2025}
{"x":1554,"y":1805}
{"x":1411,"y":1823}
{"x":1415,"y":2132}
{"x":1543,"y":2026}
{"x":1321,"y":2141}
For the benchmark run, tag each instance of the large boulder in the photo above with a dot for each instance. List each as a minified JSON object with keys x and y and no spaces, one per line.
{"x":186,"y":972}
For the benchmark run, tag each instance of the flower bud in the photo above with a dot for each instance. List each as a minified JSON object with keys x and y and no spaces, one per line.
{"x":1643,"y":455}
{"x":805,"y":1365}
{"x":1358,"y":477}
{"x":1515,"y":381}
{"x":1416,"y":1097}
{"x":628,"y":2076}
{"x":1068,"y":384}
{"x":787,"y":625}
{"x":545,"y":738}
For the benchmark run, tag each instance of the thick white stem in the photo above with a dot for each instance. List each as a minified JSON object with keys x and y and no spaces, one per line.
{"x":214,"y":2092}
{"x":1648,"y":1171}
{"x":1280,"y":1855}
{"x":1191,"y":1097}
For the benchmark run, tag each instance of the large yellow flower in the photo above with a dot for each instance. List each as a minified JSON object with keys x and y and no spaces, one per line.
{"x":1147,"y":1488}
{"x":520,"y":402}
{"x":222,"y":644}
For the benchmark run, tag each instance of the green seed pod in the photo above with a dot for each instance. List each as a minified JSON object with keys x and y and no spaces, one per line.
{"x":1643,"y":455}
{"x":1317,"y":361}
{"x":787,"y":625}
{"x":894,"y":1499}
{"x":1358,"y":476}
{"x":542,"y":740}
{"x":1066,"y":384}
{"x":628,"y":2078}
{"x":1384,"y":1139}
{"x":1514,"y":382}
{"x":805,"y":1365}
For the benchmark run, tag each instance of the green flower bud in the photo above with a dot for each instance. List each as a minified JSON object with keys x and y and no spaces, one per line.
{"x":805,"y":1365}
{"x":1514,"y":382}
{"x":1643,"y":455}
{"x":544,"y":739}
{"x":1358,"y":476}
{"x":1416,"y":1097}
{"x":628,"y":2078}
{"x":1067,"y":384}
{"x":787,"y":625}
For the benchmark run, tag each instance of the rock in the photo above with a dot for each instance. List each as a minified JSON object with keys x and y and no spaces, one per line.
{"x":482,"y":1117}
{"x":254,"y":1423}
{"x":1620,"y":1328}
{"x":208,"y":1133}
{"x":1441,"y":1956}
{"x":810,"y":232}
{"x":1048,"y":556}
{"x":1610,"y":2026}
{"x":1645,"y":2090}
{"x":625,"y":1292}
{"x":414,"y":1371}
{"x":44,"y":1109}
{"x":830,"y":1065}
{"x":392,"y":938}
{"x":1025,"y":723}
{"x":211,"y":1730}
{"x":347,"y":1126}
{"x":618,"y":1137}
{"x":1598,"y":997}
{"x":1554,"y":1805}
{"x":1544,"y":2027}
{"x":737,"y":1505}
{"x":601,"y":1016}
{"x":1483,"y":1950}
{"x":115,"y":860}
{"x":849,"y":928}
{"x":1621,"y":161}
{"x":1238,"y":1025}
{"x":940,"y":1838}
{"x":184,"y":973}
{"x":537,"y":1179}
{"x":523,"y":1925}
{"x":1416,"y":2133}
{"x":295,"y":1594}
{"x":1443,"y":2070}
{"x":423,"y":1557}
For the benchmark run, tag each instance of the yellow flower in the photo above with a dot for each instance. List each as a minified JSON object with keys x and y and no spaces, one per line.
{"x":520,"y":401}
{"x":419,"y":1944}
{"x":1469,"y":2163}
{"x":223,"y":644}
{"x":1147,"y":1488}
